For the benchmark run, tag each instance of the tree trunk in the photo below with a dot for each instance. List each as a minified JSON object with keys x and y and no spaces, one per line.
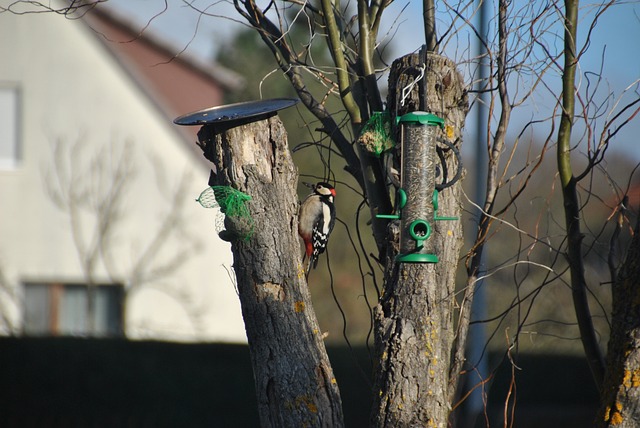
{"x":414,"y":318}
{"x":294,"y":381}
{"x":621,"y":390}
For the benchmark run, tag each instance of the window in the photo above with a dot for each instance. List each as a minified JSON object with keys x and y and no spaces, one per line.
{"x":10,"y":150}
{"x":56,"y":309}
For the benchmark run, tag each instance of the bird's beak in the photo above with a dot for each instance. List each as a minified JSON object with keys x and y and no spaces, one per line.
{"x":309,"y":185}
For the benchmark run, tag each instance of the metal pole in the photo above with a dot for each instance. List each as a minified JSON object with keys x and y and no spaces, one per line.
{"x":477,"y":335}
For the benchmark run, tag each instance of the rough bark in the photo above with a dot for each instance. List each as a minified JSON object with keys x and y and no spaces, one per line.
{"x":414,"y":318}
{"x":621,"y":391}
{"x":294,"y":381}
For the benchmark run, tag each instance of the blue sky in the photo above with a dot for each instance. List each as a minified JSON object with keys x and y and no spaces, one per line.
{"x":618,"y":30}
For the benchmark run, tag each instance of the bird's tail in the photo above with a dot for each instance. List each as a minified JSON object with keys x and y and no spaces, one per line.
{"x":308,"y":254}
{"x":313,"y":262}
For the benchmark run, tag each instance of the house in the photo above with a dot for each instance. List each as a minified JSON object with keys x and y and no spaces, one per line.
{"x":100,"y":234}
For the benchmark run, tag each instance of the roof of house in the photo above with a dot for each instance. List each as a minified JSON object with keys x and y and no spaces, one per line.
{"x":177,"y":83}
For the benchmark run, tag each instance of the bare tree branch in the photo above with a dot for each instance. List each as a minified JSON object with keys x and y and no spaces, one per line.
{"x":571,"y":205}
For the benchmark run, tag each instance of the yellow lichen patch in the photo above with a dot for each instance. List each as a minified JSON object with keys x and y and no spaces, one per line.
{"x":613,"y":416}
{"x":333,"y":381}
{"x":616,"y":419}
{"x":631,"y":379}
{"x":434,"y":332}
{"x":300,"y":271}
{"x":448,"y":129}
{"x":307,"y":402}
{"x":429,"y":339}
{"x":299,"y":306}
{"x":312,"y":408}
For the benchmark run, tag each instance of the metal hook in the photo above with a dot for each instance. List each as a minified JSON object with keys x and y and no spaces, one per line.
{"x":406,"y":91}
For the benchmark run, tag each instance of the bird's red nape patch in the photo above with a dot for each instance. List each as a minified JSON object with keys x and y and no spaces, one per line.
{"x":333,"y":192}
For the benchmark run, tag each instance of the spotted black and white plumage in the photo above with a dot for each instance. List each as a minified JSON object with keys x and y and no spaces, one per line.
{"x":315,"y":221}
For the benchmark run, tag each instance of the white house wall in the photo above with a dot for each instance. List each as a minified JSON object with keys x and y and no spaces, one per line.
{"x":75,"y":93}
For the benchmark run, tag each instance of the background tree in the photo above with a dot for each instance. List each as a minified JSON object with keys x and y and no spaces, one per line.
{"x":91,"y":190}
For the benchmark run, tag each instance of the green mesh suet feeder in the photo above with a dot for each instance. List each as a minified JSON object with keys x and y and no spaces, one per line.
{"x":375,"y":136}
{"x":417,"y":199}
{"x":232,"y":203}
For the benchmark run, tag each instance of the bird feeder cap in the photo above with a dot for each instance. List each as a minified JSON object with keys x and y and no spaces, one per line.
{"x":422,"y":118}
{"x":249,"y":111}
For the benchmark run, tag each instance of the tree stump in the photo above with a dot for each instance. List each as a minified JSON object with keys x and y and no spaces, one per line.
{"x":414,"y":318}
{"x":294,"y":380}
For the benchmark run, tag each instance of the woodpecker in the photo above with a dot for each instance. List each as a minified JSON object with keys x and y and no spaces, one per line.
{"x":315,"y":221}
